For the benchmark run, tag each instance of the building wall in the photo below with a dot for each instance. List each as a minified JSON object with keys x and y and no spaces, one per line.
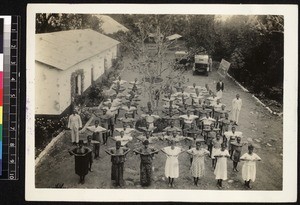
{"x":53,"y":86}
{"x":95,"y":62}
{"x":46,"y":90}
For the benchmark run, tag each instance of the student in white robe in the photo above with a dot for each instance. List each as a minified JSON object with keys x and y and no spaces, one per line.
{"x":249,"y":166}
{"x":236,"y":108}
{"x":75,"y":124}
{"x":221,"y":166}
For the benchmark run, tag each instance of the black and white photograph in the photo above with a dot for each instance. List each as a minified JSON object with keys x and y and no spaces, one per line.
{"x":183,"y":101}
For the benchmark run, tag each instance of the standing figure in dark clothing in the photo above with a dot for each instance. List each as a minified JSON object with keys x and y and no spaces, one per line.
{"x":118,"y":157}
{"x":91,"y":144}
{"x":237,"y":149}
{"x":220,"y":88}
{"x":82,"y":160}
{"x":146,"y":154}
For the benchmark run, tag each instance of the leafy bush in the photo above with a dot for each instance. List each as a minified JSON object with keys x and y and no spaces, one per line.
{"x":80,"y":99}
{"x":47,"y":128}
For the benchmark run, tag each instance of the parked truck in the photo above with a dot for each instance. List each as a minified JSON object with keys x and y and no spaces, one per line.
{"x":201,"y":64}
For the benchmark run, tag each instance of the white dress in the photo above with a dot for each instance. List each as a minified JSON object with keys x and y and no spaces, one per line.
{"x":221,"y":166}
{"x":172,"y":164}
{"x":249,"y":167}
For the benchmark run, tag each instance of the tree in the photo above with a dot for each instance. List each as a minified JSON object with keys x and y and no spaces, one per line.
{"x":254,"y":46}
{"x":149,"y":48}
{"x":200,"y":33}
{"x":52,"y":22}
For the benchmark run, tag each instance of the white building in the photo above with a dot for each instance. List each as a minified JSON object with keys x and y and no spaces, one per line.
{"x":109,"y":25}
{"x":67,"y":62}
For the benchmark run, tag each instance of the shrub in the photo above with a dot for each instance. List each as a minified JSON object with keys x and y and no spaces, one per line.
{"x":80,"y":99}
{"x":47,"y":128}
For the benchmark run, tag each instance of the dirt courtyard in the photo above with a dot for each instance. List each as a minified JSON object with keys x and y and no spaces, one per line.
{"x":259,"y":127}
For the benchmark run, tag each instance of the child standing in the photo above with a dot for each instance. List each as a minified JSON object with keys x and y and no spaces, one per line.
{"x":221,"y":165}
{"x":172,"y":164}
{"x":198,"y":167}
{"x":249,"y":166}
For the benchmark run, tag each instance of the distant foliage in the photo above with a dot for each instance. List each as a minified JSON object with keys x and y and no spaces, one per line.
{"x":51,"y":22}
{"x":254,"y":47}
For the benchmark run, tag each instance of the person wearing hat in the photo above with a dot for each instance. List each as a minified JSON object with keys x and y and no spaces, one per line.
{"x":249,"y":166}
{"x":237,"y":149}
{"x":172,"y":164}
{"x":198,"y":167}
{"x":82,"y":160}
{"x":146,"y":153}
{"x":118,"y":157}
{"x":221,"y":165}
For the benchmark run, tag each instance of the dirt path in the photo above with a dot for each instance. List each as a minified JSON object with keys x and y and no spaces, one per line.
{"x":256,"y":123}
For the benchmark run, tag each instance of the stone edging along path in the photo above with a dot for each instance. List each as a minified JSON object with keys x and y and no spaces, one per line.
{"x":257,"y":100}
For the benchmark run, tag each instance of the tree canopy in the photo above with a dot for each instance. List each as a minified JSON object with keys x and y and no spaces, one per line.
{"x":51,"y":22}
{"x":252,"y":44}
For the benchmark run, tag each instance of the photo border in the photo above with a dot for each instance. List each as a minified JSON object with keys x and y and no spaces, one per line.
{"x":289,"y":186}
